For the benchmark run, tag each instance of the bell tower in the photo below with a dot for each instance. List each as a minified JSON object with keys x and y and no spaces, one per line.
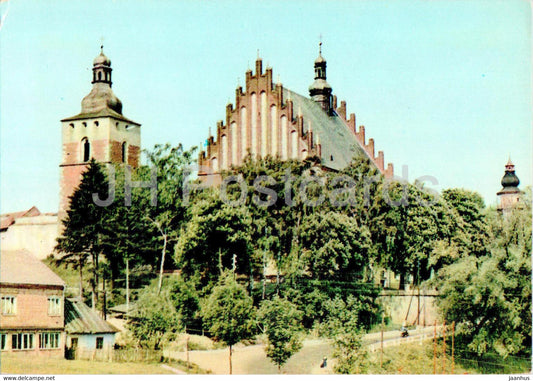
{"x":509,"y":195}
{"x":320,"y":90}
{"x":99,"y":131}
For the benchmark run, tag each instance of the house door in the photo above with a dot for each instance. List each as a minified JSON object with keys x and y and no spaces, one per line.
{"x":74,"y":343}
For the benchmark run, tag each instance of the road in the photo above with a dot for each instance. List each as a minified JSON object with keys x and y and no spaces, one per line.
{"x":252,"y":359}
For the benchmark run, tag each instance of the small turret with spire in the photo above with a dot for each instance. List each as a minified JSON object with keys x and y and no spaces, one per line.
{"x":320,"y":90}
{"x":509,"y":195}
{"x":101,"y":95}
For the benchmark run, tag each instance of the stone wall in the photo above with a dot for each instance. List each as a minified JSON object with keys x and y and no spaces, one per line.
{"x":36,"y":234}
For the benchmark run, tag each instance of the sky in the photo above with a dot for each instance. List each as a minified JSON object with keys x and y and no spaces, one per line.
{"x":443,"y":87}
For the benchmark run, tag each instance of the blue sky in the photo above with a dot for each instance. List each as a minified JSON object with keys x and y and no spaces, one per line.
{"x":444,"y":87}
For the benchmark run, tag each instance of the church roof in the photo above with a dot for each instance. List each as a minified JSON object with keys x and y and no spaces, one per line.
{"x":339,"y":144}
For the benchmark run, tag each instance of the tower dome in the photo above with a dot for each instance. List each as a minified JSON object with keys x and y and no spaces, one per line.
{"x":102,"y":59}
{"x":320,"y":90}
{"x":101,"y":96}
{"x":510,"y":179}
{"x":509,"y":195}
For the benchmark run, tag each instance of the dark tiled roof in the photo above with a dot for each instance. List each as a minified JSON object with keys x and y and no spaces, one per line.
{"x":80,"y":318}
{"x":101,"y":113}
{"x":339,"y":144}
{"x":22,"y":267}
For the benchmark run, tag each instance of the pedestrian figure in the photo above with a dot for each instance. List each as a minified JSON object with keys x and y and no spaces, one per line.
{"x":324,"y":362}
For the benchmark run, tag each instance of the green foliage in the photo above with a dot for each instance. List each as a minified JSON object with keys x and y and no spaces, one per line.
{"x":489,"y":296}
{"x":282,"y":323}
{"x":155,"y":318}
{"x":228,"y":312}
{"x":343,"y":327}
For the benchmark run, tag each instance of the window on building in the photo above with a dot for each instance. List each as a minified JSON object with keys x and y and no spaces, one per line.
{"x":9,"y":305}
{"x":124,"y":152}
{"x":99,"y":342}
{"x":4,"y":341}
{"x":54,"y":306}
{"x":86,"y":149}
{"x":22,"y":341}
{"x":49,"y":340}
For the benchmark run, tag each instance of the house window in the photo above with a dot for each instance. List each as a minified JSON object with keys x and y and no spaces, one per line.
{"x":9,"y":305}
{"x":99,"y":342}
{"x":54,"y":306}
{"x":22,"y":341}
{"x":49,"y":340}
{"x":4,"y":341}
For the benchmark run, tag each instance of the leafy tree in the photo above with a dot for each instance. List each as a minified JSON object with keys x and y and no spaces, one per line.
{"x":228,"y":313}
{"x":282,"y":323}
{"x":489,"y":297}
{"x":154,"y":319}
{"x":333,"y":246}
{"x":342,"y":326}
{"x":215,"y":232}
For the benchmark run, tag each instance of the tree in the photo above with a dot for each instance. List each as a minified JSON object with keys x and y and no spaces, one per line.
{"x":155,"y":318}
{"x":214,"y":233}
{"x":489,"y":296}
{"x":282,"y":323}
{"x":342,"y":326}
{"x":228,"y":313}
{"x":81,"y":240}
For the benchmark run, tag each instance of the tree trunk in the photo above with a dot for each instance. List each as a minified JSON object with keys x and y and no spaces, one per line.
{"x":162,"y":263}
{"x":402,"y":282}
{"x":230,"y":367}
{"x":81,"y":279}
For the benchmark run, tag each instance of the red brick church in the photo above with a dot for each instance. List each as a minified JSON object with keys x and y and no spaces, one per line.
{"x":270,"y":120}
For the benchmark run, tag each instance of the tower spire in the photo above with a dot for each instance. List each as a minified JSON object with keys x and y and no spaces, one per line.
{"x":320,"y":90}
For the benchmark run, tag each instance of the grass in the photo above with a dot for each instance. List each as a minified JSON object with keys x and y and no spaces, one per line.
{"x":416,"y":358}
{"x":40,"y":365}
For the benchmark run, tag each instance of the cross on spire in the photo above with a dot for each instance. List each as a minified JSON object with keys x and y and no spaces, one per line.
{"x":320,"y":44}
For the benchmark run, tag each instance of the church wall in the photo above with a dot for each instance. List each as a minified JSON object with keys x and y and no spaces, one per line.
{"x":35,"y":234}
{"x":261,"y":123}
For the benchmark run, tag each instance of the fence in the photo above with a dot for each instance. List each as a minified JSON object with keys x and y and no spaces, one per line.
{"x":118,"y":355}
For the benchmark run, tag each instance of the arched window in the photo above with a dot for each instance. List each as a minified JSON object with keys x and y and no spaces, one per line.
{"x":274,"y":130}
{"x":244,"y":131}
{"x":85,"y":149}
{"x":224,"y":146}
{"x":124,"y":152}
{"x":214,"y":164}
{"x":234,"y":140}
{"x":284,"y":136}
{"x":294,"y":145}
{"x":264,"y":125}
{"x":253,"y":124}
{"x":99,"y":75}
{"x":96,"y":123}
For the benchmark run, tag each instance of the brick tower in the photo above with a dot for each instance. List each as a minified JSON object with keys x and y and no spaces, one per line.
{"x":99,"y":131}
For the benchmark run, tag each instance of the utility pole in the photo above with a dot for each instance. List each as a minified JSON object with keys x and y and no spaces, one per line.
{"x":187,"y":350}
{"x":381,"y":356}
{"x":444,"y":347}
{"x":453,"y":346}
{"x":127,"y":286}
{"x":264,"y":274}
{"x":435,"y":348}
{"x":234,"y":266}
